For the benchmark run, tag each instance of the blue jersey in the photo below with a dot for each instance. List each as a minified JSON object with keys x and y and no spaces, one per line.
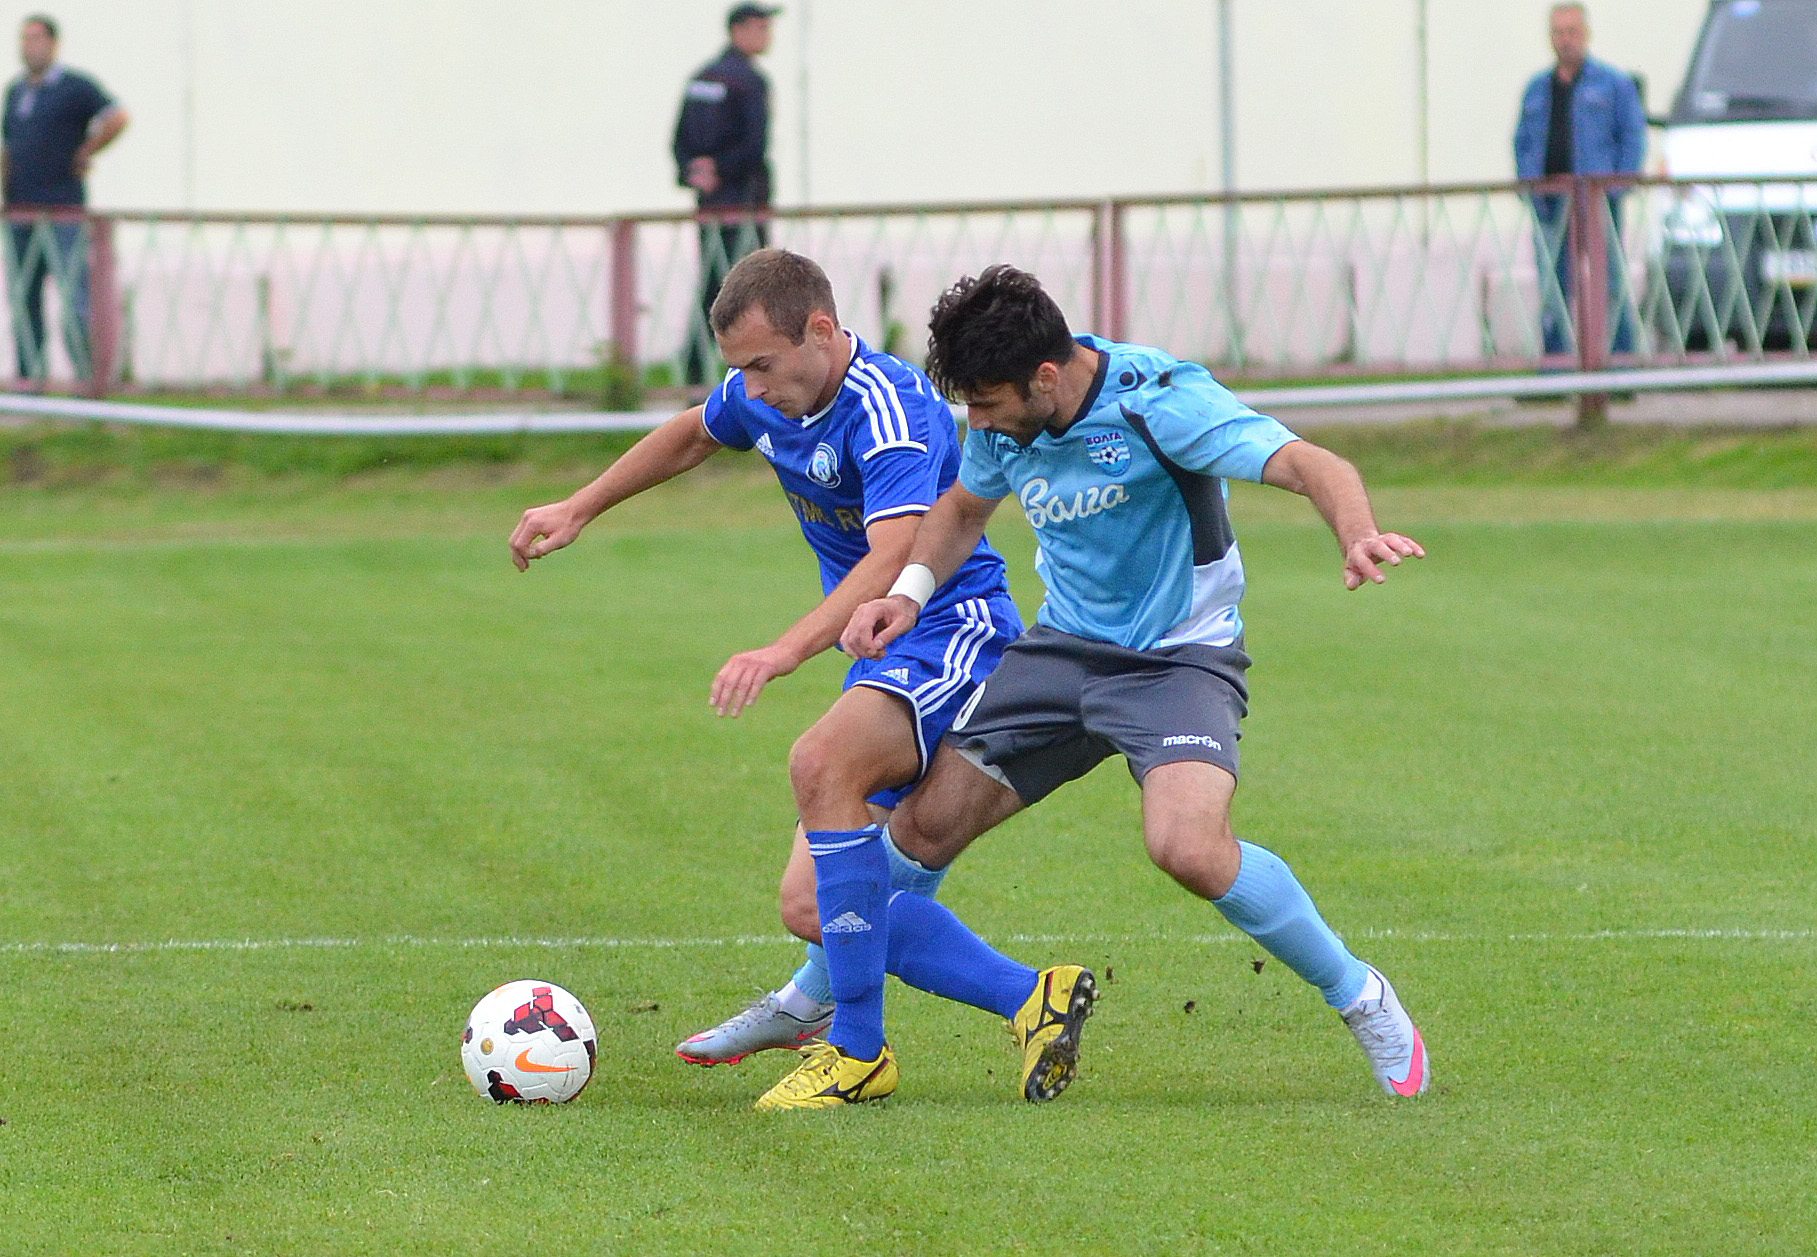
{"x":1127,"y":504}
{"x":887,"y":445}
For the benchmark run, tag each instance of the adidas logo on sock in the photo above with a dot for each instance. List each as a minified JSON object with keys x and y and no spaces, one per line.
{"x":846,"y":923}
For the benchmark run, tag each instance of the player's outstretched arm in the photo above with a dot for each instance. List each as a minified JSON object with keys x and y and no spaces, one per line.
{"x":744,"y":676}
{"x":1336,"y":490}
{"x":679,"y":445}
{"x":947,"y":537}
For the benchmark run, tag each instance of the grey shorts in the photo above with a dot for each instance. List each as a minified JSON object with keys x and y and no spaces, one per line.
{"x":1058,"y":705}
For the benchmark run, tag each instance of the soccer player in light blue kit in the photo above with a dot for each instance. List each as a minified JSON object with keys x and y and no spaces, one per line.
{"x":863,"y":447}
{"x":1118,"y":454}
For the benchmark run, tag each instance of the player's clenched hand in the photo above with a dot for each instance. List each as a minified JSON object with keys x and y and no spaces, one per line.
{"x":1365,"y":557}
{"x":876,"y":624}
{"x":744,"y":676}
{"x":543,"y":530}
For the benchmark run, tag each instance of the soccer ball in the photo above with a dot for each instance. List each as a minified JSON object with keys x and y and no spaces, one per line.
{"x":528,"y":1043}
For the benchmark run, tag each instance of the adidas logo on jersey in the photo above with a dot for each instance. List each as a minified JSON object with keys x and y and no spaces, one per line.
{"x":846,"y":923}
{"x":898,"y":675}
{"x":764,"y":447}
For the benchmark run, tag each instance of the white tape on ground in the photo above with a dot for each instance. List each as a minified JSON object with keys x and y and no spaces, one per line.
{"x":409,"y":941}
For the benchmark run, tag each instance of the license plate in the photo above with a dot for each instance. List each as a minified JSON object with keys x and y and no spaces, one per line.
{"x":1794,"y":267}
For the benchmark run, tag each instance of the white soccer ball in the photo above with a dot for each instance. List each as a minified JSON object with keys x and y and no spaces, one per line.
{"x":528,"y":1043}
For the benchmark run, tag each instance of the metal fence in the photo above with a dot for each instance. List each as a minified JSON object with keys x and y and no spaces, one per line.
{"x":1465,"y":280}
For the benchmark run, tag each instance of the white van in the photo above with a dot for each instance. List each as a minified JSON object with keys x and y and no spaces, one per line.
{"x":1738,"y":262}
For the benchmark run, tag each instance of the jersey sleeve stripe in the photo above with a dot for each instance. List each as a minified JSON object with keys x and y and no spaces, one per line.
{"x":887,"y":395}
{"x":912,"y":508}
{"x":875,"y":450}
{"x":870,"y":409}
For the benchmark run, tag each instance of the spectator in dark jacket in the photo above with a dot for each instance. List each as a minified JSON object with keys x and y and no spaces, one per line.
{"x":722,"y":152}
{"x":56,"y":120}
{"x":1581,"y":117}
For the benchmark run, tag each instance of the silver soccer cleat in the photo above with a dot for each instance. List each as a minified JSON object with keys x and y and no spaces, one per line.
{"x":762,"y":1026}
{"x":1390,"y":1041}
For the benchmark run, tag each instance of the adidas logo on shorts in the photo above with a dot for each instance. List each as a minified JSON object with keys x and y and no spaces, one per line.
{"x":898,"y":675}
{"x":846,"y":923}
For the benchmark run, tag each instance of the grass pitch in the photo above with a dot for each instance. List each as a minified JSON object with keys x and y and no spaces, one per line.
{"x":291,"y":774}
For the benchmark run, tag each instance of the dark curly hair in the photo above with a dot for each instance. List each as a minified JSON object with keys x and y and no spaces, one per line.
{"x":997,"y":328}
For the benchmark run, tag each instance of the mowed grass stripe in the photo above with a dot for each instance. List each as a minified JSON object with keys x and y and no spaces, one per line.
{"x":1726,"y":935}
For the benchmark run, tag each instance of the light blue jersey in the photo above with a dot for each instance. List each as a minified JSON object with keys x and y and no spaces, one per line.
{"x":1135,"y":545}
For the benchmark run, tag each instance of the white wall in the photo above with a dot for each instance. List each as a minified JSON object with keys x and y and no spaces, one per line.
{"x":566,"y":106}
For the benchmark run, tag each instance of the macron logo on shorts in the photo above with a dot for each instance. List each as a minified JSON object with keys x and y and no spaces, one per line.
{"x":1192,"y":739}
{"x":846,"y":923}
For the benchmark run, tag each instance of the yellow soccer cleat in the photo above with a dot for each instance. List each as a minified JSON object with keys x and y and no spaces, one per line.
{"x":829,"y":1079}
{"x":1047,"y":1030}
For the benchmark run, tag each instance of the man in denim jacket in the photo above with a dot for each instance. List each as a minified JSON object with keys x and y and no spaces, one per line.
{"x":1581,"y":117}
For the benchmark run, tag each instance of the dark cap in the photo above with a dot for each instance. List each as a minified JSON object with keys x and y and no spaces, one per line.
{"x":745,"y":12}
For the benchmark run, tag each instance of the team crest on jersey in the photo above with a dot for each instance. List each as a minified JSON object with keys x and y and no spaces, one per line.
{"x":823,"y":468}
{"x":1109,"y":450}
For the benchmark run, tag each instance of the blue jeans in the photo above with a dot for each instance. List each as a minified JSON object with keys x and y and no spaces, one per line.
{"x":1551,"y":243}
{"x":37,"y":251}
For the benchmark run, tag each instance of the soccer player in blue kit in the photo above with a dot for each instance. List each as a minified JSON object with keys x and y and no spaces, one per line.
{"x":1118,"y":454}
{"x":863,"y":447}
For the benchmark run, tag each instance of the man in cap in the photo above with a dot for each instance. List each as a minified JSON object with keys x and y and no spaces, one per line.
{"x":721,"y":151}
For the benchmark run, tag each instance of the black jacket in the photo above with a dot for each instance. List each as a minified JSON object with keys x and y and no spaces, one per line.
{"x":725,"y":115}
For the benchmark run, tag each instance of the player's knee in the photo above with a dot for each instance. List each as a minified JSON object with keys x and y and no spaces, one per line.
{"x":795,"y":896}
{"x":800,"y":913}
{"x":1205,"y":863}
{"x":816,"y":769}
{"x":820,"y":771}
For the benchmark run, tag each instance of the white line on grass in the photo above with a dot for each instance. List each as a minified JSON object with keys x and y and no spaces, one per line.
{"x":405,"y":941}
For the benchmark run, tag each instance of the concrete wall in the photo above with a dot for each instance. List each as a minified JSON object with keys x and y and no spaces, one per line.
{"x":566,"y":105}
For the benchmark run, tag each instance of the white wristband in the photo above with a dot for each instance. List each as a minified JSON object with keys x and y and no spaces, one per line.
{"x":916,"y":584}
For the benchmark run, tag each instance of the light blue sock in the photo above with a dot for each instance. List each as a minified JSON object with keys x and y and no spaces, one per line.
{"x":1267,"y":903}
{"x":851,"y":890}
{"x":811,"y":979}
{"x":905,"y":874}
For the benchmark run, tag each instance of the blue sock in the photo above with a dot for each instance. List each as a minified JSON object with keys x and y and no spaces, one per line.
{"x":932,"y":951}
{"x":811,"y":979}
{"x":1267,"y":903}
{"x":851,"y":888}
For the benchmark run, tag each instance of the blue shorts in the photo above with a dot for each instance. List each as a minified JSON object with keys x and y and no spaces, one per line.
{"x":935,"y":667}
